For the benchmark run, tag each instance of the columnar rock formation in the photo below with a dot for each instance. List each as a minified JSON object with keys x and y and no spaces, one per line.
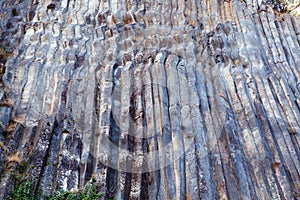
{"x":162,"y":99}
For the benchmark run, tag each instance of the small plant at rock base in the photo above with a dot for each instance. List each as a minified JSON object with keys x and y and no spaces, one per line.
{"x":21,"y":190}
{"x":88,"y":193}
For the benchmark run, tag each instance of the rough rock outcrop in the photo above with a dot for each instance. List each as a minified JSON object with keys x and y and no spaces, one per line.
{"x":180,"y":99}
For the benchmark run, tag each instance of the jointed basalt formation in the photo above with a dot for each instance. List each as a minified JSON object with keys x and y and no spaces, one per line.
{"x":180,"y":99}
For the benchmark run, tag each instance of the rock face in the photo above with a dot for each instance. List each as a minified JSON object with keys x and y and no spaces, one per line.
{"x":180,"y":99}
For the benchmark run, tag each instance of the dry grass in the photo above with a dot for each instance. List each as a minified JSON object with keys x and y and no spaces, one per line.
{"x":11,"y":126}
{"x":7,"y":103}
{"x":5,"y":53}
{"x":14,"y":158}
{"x":3,"y":146}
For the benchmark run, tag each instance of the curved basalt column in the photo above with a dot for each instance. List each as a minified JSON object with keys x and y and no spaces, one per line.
{"x":154,"y":99}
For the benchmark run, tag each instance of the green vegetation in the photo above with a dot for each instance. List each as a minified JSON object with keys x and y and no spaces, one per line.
{"x":22,"y":191}
{"x":20,"y":182}
{"x":88,"y":193}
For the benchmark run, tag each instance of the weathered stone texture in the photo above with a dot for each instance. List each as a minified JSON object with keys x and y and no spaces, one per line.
{"x":180,"y":99}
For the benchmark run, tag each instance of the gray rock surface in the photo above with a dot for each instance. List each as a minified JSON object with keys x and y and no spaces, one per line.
{"x":155,"y":99}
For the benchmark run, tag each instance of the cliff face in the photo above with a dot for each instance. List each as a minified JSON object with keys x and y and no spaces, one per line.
{"x":155,"y":99}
